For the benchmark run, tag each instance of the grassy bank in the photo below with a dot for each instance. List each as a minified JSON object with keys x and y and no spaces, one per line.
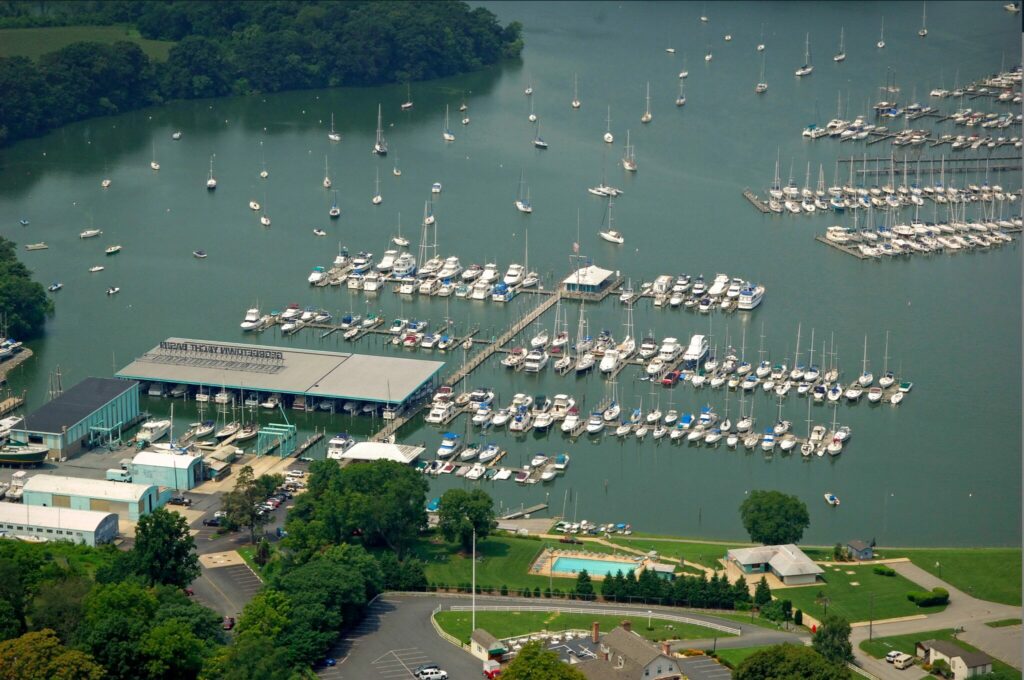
{"x":857,"y":596}
{"x":879,"y":647}
{"x":511,"y":624}
{"x":706,"y":554}
{"x":34,"y":42}
{"x":733,"y":657}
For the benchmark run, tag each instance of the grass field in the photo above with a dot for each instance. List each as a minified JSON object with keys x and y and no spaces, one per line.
{"x":879,"y":647}
{"x":510,"y":624}
{"x":1003,"y":623}
{"x":854,"y":602}
{"x":744,"y":617}
{"x":733,"y":657}
{"x":988,"y":573}
{"x":34,"y":42}
{"x":501,"y":560}
{"x":707,"y":554}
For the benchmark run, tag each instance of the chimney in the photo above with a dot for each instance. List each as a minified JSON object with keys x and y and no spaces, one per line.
{"x":595,"y":629}
{"x":666,"y":648}
{"x":627,"y":625}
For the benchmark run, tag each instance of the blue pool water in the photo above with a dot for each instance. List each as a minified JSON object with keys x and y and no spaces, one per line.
{"x":574,"y":565}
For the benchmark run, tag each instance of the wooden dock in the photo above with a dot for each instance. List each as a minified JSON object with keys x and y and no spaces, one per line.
{"x":9,"y":404}
{"x":526,"y":511}
{"x":849,"y":250}
{"x":755,"y":201}
{"x":308,"y":444}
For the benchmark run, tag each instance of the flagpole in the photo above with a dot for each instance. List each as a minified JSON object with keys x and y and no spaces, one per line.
{"x":473,"y":624}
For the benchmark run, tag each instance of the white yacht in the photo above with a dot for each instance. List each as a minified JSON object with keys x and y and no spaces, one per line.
{"x":252,"y":320}
{"x":750,"y":297}
{"x":338,"y":445}
{"x":451,"y":268}
{"x":152,"y":430}
{"x":387,"y":262}
{"x":90,"y":233}
{"x":612,"y":236}
{"x":404,"y":265}
{"x":535,"y":361}
{"x":514,"y":274}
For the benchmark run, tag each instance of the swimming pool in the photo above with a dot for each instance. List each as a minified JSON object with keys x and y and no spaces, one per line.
{"x":574,"y":565}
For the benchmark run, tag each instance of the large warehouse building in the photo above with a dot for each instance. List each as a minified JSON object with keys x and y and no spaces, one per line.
{"x":296,"y":374}
{"x":128,"y":501}
{"x":35,"y":522}
{"x":91,"y":413}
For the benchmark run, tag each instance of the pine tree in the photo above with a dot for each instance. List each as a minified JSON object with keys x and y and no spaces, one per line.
{"x":762,"y":594}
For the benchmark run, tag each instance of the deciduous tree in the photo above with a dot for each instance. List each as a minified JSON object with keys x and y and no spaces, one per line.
{"x":774,"y":518}
{"x":40,"y":656}
{"x":460,"y":512}
{"x":533,"y":662}
{"x":165,"y":551}
{"x":832,"y":639}
{"x":787,"y":662}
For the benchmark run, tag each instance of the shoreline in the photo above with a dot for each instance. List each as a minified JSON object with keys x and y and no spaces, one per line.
{"x":15,"y":361}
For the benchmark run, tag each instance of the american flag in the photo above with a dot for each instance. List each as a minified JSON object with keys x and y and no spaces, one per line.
{"x":575,"y":247}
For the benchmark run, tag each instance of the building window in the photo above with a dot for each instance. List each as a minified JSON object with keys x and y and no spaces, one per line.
{"x":49,"y":531}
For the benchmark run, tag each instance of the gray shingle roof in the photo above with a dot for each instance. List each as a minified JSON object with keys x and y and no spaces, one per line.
{"x":787,"y":560}
{"x":75,"y":405}
{"x":950,"y":649}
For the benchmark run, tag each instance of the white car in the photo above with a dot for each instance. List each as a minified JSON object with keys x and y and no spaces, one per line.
{"x":891,"y":656}
{"x":434,"y":674}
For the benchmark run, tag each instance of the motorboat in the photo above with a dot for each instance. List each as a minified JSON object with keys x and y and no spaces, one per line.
{"x":470,"y":452}
{"x":112,"y":250}
{"x":90,"y":233}
{"x":488,"y":453}
{"x":535,"y":361}
{"x":450,"y":269}
{"x":832,"y":499}
{"x":514,"y":274}
{"x":55,"y":286}
{"x":571,"y":420}
{"x":451,"y":444}
{"x":152,"y":430}
{"x":113,"y":290}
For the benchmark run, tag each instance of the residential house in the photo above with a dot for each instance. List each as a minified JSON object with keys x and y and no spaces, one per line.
{"x":962,"y":663}
{"x":624,"y":655}
{"x":860,"y":551}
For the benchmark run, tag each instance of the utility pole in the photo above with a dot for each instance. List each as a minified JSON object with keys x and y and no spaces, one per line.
{"x":871,"y":616}
{"x":473,"y":624}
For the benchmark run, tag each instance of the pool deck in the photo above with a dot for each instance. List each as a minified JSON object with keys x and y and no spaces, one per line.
{"x":544,"y":562}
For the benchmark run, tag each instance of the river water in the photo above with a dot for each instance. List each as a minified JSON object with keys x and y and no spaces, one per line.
{"x":943,"y":468}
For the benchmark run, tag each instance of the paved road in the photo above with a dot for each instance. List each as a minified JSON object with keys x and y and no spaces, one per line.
{"x":963,"y":610}
{"x":398,"y":636}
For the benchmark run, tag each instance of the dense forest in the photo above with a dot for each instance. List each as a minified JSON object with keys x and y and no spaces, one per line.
{"x":23,"y":301}
{"x":233,"y":47}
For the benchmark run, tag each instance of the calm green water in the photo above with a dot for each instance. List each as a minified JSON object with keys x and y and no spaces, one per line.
{"x":942,"y":469}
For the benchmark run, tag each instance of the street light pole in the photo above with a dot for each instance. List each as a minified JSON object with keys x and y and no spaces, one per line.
{"x":871,"y":616}
{"x":648,"y":619}
{"x":473,"y":624}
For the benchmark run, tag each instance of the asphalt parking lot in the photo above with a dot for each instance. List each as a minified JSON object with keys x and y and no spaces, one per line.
{"x":704,"y":668}
{"x":226,"y":590}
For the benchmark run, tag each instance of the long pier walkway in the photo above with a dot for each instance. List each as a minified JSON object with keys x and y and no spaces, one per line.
{"x":515,"y":329}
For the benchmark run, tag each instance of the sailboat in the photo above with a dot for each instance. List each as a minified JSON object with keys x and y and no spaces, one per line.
{"x":263,"y":164}
{"x":887,"y":378}
{"x":400,"y":240}
{"x":211,"y":182}
{"x":529,"y":88}
{"x":762,"y":85}
{"x":446,"y":132}
{"x":646,"y":117}
{"x":924,"y":26}
{"x":396,"y":171}
{"x":533,"y":116}
{"x":881,"y":36}
{"x":575,"y":92}
{"x":153,"y":164}
{"x":523,"y":202}
{"x":335,"y":211}
{"x":760,"y":45}
{"x":708,"y":56}
{"x":684,"y":73}
{"x":608,"y":233}
{"x":538,"y":141}
{"x":377,"y":198}
{"x":629,"y":156}
{"x":380,"y":147}
{"x":807,"y":68}
{"x":327,"y":174}
{"x":841,"y":54}
{"x":333,"y":135}
{"x":264,"y":218}
{"x":608,"y":137}
{"x":866,"y":377}
{"x":681,"y":99}
{"x":407,"y":104}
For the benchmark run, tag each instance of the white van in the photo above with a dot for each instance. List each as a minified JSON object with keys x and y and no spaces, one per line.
{"x":903,"y":661}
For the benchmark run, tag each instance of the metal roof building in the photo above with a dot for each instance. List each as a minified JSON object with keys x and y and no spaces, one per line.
{"x":93,"y":411}
{"x":57,"y":524}
{"x":297,"y":372}
{"x":174,"y":470}
{"x":370,"y":451}
{"x":128,"y":501}
{"x":787,"y":562}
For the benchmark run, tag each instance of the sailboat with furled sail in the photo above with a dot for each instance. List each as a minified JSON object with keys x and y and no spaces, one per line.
{"x":575,"y":92}
{"x":446,"y":132}
{"x":841,"y":54}
{"x":629,"y":156}
{"x":380,"y":147}
{"x":807,"y":68}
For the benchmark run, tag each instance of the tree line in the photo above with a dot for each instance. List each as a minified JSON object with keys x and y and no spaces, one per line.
{"x":235,"y":47}
{"x":24,"y":303}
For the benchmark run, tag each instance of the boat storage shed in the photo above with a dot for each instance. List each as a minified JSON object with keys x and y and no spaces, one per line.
{"x":371,"y":451}
{"x":127,"y":500}
{"x":92,"y":412}
{"x":34,"y":522}
{"x":295,"y":372}
{"x":174,"y":470}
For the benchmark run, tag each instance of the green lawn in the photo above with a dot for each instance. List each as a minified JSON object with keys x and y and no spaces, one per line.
{"x":854,"y":602}
{"x":509,"y":624}
{"x":707,"y":554}
{"x":733,"y":657}
{"x":34,"y":42}
{"x":744,"y":617}
{"x":501,"y":560}
{"x":879,"y":647}
{"x":1003,"y":623}
{"x":988,"y":573}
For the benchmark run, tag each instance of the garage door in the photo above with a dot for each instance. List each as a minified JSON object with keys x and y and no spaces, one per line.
{"x":100,"y":505}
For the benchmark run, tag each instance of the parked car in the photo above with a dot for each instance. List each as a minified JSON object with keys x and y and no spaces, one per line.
{"x":570,"y":539}
{"x":228,"y":623}
{"x":180,"y":500}
{"x":434,"y":674}
{"x":425,"y":667}
{"x":671,"y":378}
{"x":891,"y":656}
{"x":212,"y":522}
{"x":220,"y":514}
